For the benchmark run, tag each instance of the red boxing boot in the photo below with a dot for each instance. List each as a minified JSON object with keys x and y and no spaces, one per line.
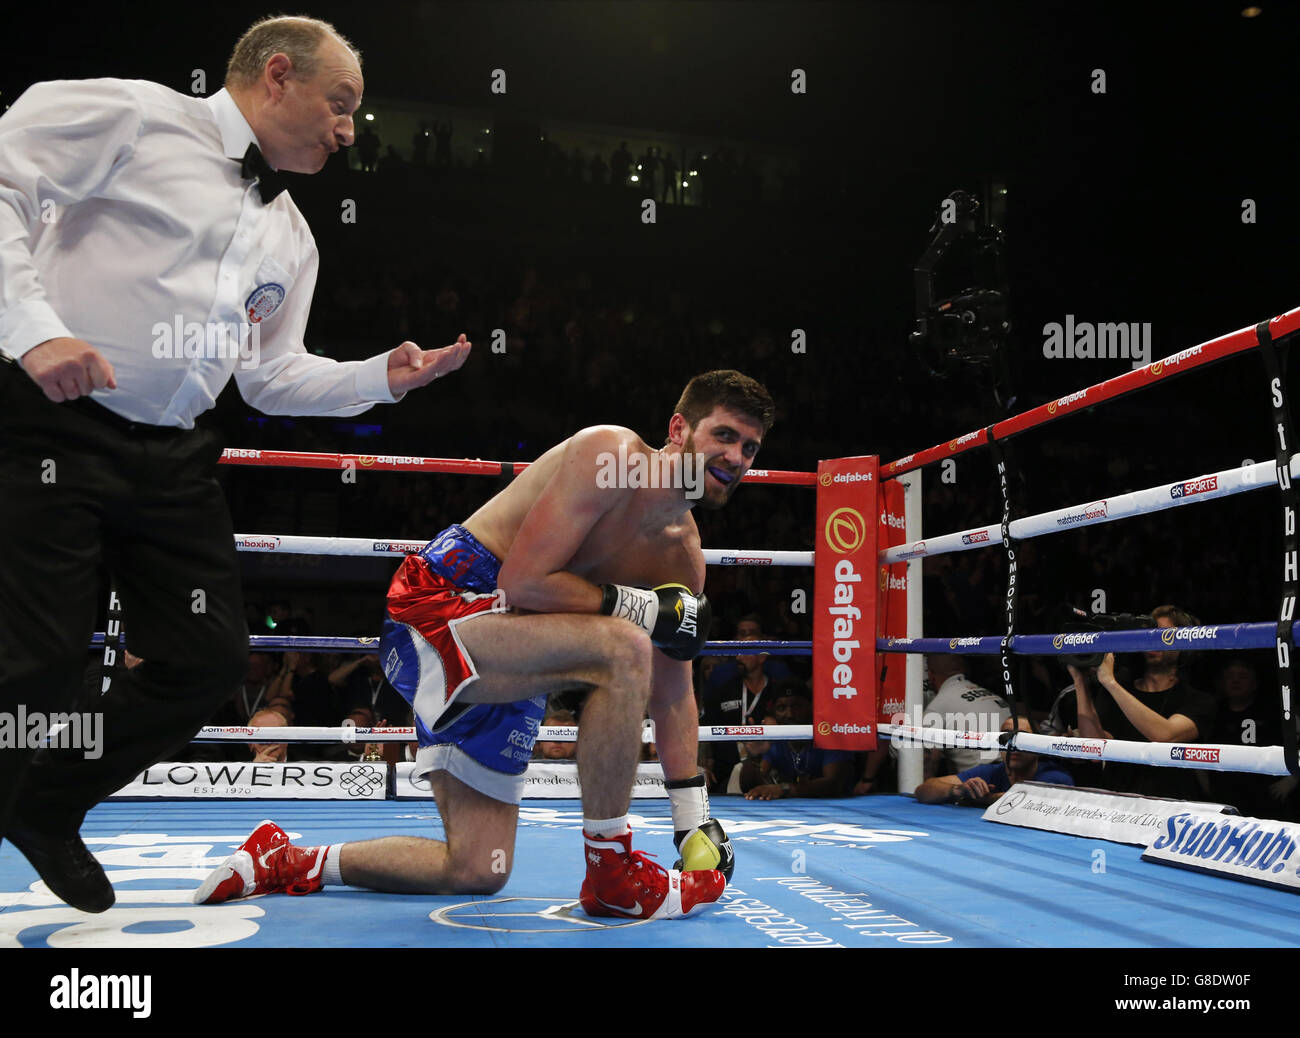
{"x":266,"y":863}
{"x":628,"y":884}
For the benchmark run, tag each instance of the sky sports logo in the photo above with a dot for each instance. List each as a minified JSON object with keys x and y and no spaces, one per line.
{"x":975,"y":538}
{"x":746,"y":560}
{"x":1194,"y":486}
{"x":1195,"y":754}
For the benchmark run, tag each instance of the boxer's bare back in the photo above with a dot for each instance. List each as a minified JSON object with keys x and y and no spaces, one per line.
{"x":642,"y":536}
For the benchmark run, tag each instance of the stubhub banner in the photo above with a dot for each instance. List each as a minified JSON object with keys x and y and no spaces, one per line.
{"x":844,"y":605}
{"x":1254,"y":849}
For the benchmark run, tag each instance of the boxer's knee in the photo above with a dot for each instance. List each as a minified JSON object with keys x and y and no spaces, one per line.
{"x":480,"y":874}
{"x":625,"y":654}
{"x":481,"y":883}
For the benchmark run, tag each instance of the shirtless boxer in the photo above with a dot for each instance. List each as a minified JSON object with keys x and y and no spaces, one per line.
{"x":477,"y":645}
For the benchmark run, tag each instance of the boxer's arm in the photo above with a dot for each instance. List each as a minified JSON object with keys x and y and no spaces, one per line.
{"x":533,"y":576}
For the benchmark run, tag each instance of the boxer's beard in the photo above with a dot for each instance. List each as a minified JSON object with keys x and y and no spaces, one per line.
{"x":714,"y":498}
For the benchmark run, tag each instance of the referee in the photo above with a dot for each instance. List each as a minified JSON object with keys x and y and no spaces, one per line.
{"x":147,"y":253}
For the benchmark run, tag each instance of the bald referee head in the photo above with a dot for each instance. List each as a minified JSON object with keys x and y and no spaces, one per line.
{"x":298,"y":82}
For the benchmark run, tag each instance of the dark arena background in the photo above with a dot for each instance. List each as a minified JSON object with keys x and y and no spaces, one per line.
{"x":1138,"y":159}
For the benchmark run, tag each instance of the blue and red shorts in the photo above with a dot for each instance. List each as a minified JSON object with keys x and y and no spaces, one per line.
{"x":448,"y":583}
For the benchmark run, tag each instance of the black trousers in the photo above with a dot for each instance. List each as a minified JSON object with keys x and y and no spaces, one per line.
{"x":81,"y":488}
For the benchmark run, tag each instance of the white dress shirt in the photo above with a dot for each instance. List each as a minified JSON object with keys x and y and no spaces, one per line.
{"x":125,"y":221}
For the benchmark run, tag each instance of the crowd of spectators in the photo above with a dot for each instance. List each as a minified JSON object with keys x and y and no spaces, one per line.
{"x":724,"y":175}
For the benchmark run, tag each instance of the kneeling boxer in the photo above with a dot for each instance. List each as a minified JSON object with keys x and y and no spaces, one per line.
{"x":543,"y":590}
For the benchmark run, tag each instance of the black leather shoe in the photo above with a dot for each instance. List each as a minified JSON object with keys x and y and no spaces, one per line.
{"x":68,"y":868}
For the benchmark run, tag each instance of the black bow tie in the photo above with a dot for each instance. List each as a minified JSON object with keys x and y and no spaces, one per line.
{"x":269,"y":182}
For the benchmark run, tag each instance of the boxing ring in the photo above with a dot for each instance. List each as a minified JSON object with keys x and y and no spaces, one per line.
{"x":865,"y":872}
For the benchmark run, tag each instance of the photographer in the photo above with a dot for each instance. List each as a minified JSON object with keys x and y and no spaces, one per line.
{"x":1158,"y":707}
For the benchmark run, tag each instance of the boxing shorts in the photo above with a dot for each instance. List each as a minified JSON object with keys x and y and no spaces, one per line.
{"x":485,"y":745}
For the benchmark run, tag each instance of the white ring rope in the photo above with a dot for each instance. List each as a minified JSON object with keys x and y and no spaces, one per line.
{"x":557,"y":733}
{"x":1259,"y":760}
{"x":1139,"y":502}
{"x":294,"y":544}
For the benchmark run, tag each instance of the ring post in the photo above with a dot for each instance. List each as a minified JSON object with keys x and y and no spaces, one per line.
{"x":844,"y":601}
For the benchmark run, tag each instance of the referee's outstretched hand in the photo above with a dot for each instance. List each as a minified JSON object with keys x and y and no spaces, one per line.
{"x":66,"y":369}
{"x":410,"y":367}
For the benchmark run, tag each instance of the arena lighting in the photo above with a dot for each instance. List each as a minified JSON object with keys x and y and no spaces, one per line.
{"x":1251,"y":12}
{"x":370,"y":117}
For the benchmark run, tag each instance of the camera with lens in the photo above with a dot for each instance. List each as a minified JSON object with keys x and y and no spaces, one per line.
{"x":1082,"y":623}
{"x":962,"y":311}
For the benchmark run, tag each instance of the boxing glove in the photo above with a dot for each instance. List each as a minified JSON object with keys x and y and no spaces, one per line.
{"x":676,"y":620}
